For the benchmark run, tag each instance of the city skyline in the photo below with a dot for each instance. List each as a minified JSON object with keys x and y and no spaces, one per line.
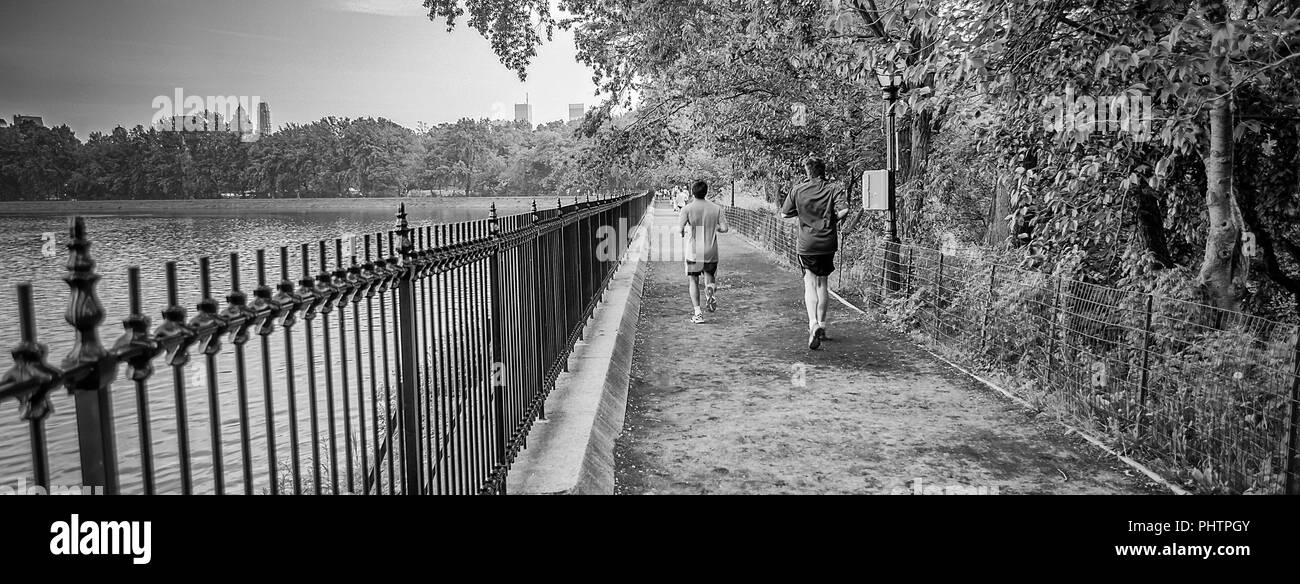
{"x":94,"y":66}
{"x":264,"y":125}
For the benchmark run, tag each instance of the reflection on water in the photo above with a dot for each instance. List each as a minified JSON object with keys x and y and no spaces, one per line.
{"x":150,"y":240}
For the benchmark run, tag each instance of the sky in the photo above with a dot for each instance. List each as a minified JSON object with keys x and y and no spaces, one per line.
{"x":97,"y":64}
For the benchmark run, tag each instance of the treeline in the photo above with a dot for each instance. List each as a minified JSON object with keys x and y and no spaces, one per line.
{"x":332,"y":157}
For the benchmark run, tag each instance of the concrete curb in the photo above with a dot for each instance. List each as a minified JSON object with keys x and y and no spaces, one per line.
{"x":571,"y":452}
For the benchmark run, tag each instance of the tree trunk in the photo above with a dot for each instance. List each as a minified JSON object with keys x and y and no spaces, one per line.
{"x":1219,"y":273}
{"x":919,"y":145}
{"x":999,"y":229}
{"x":912,"y":167}
{"x":1151,"y":225}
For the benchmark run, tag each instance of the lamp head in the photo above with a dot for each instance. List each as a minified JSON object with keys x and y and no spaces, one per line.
{"x":889,"y":74}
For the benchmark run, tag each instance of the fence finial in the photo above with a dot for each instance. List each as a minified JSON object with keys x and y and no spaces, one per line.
{"x":85,"y":313}
{"x":264,"y":304}
{"x":207,"y":323}
{"x":136,"y":337}
{"x":172,"y":333}
{"x":286,"y":300}
{"x":237,"y":309}
{"x":89,"y":368}
{"x":403,"y":229}
{"x":31,"y":378}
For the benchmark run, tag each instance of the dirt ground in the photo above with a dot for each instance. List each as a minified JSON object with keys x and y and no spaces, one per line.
{"x":740,"y":405}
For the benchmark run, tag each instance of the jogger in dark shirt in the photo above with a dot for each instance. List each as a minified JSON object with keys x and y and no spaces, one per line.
{"x":819,"y":205}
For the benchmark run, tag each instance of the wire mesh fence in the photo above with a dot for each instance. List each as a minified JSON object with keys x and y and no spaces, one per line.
{"x":1204,"y":395}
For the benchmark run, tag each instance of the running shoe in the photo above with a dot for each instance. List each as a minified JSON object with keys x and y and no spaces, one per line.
{"x":711,"y":302}
{"x":698,"y":318}
{"x":815,"y":337}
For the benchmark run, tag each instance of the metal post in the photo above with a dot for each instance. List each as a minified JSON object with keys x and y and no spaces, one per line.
{"x":938,"y":293}
{"x":176,"y":337}
{"x":406,"y":326}
{"x":911,"y":262}
{"x":210,"y":326}
{"x":270,"y":310}
{"x":142,"y":348}
{"x":237,"y":310}
{"x":988,"y":308}
{"x":89,"y":366}
{"x":1051,"y":334}
{"x":1146,"y":356}
{"x":891,"y":165}
{"x":1291,"y":466}
{"x":498,"y":336}
{"x":538,"y":310}
{"x":290,"y":302}
{"x":562,"y":277}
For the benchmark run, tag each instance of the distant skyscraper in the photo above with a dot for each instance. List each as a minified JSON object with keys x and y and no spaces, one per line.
{"x":264,"y":119}
{"x":241,"y":124}
{"x":524,"y":112}
{"x":577,"y":111}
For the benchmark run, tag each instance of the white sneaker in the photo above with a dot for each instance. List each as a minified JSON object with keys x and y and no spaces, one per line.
{"x":698,"y":318}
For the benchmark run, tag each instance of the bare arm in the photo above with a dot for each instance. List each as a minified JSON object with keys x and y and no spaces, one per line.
{"x":841,"y":205}
{"x":788,"y":209}
{"x":723,"y":227}
{"x":682,"y":223}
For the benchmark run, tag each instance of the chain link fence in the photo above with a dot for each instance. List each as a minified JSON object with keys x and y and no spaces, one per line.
{"x":1202,"y":395}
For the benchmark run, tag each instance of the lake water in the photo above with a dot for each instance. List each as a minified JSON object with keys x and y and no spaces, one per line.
{"x":150,"y":240}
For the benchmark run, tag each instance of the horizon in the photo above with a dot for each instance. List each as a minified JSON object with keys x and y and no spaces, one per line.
{"x":69,"y":62}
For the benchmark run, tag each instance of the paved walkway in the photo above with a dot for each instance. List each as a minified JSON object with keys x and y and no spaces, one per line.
{"x":741,"y":405}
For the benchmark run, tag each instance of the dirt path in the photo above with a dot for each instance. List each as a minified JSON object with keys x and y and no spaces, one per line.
{"x":740,"y":405}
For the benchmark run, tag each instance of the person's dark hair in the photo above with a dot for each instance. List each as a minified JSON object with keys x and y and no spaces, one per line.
{"x":816,"y":167}
{"x":699,"y":188}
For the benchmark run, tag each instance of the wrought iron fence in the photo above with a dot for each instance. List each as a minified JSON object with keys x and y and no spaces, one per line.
{"x":410,"y":361}
{"x":1206,"y":395}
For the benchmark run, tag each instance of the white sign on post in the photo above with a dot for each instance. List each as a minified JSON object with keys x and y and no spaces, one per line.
{"x":875,"y":190}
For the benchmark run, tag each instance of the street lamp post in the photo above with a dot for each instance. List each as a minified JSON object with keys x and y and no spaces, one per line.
{"x":890,"y":77}
{"x":733,"y":182}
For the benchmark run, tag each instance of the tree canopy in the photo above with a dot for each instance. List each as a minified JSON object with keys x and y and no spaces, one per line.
{"x":1153,"y":141}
